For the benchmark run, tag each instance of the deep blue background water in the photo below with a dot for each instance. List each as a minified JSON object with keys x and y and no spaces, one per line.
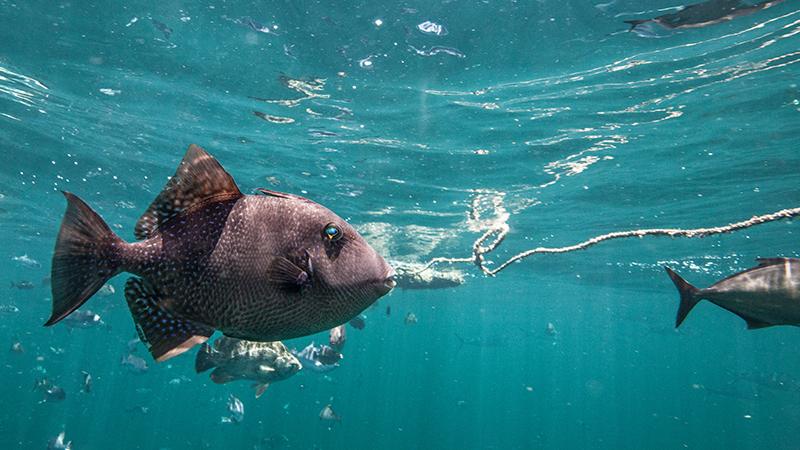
{"x":575,"y":129}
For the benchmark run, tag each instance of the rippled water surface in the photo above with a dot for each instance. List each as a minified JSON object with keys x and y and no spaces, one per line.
{"x":424,"y":124}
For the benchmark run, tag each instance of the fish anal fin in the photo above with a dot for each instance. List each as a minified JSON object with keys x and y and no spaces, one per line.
{"x":199,"y":180}
{"x":165,"y":334}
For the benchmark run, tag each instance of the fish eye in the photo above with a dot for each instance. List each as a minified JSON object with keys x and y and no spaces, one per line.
{"x":332,"y":232}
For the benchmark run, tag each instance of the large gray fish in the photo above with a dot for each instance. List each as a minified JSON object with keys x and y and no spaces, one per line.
{"x":763,"y":296}
{"x":704,"y":14}
{"x":236,"y":359}
{"x":256,"y":267}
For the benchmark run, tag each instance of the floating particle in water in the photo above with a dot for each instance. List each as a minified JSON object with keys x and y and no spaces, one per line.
{"x":378,"y":22}
{"x":273,"y":119}
{"x":481,"y":151}
{"x":433,"y":28}
{"x":748,"y":416}
{"x":529,"y":388}
{"x":433,"y":51}
{"x":110,"y":92}
{"x":366,"y":63}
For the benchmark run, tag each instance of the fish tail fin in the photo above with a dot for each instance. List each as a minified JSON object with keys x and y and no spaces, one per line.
{"x":689,"y":296}
{"x":205,"y":359}
{"x":87,"y":254}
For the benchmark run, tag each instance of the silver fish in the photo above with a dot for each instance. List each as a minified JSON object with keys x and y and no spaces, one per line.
{"x":257,"y":267}
{"x":318,"y":359}
{"x":765,"y":295}
{"x":57,"y":443}
{"x":337,"y":337}
{"x":236,"y":359}
{"x":328,"y":414}
{"x":134,"y":363}
{"x":236,"y":408}
{"x":87,"y":382}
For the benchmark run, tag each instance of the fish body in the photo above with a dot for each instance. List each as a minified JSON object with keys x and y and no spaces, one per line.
{"x":410,"y":319}
{"x":358,"y":322}
{"x":337,"y":338}
{"x":704,"y":14}
{"x":318,"y":359}
{"x":26,"y":261}
{"x":765,"y":295}
{"x":17,"y":347}
{"x":57,"y":443}
{"x":236,"y":410}
{"x":235,"y":359}
{"x":327,"y":413}
{"x":50,"y":392}
{"x":256,"y":267}
{"x":87,"y":382}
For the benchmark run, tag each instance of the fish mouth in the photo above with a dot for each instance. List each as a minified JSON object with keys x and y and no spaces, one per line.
{"x":389,"y":282}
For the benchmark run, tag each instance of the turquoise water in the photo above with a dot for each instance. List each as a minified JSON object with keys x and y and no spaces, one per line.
{"x":543,"y":114}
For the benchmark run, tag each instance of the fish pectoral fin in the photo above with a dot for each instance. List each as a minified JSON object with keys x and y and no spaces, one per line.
{"x":165,"y":334}
{"x":199,"y":179}
{"x":287,"y":274}
{"x":260,"y":389}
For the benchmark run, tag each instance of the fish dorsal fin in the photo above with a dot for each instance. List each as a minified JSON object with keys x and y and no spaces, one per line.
{"x":271,"y":193}
{"x":199,"y":180}
{"x":772,"y":261}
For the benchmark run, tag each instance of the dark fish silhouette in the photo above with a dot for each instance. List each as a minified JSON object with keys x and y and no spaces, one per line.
{"x":763,"y":296}
{"x":22,"y":285}
{"x":256,"y":267}
{"x":237,"y":359}
{"x":704,"y":14}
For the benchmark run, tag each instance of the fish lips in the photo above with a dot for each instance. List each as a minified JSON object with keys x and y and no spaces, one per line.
{"x":387,"y":283}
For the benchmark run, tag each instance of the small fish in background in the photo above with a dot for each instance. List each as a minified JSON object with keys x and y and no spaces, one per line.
{"x":433,"y":28}
{"x":410,"y":319}
{"x":162,"y":27}
{"x":46,"y":280}
{"x":50,"y":392}
{"x":23,"y":285}
{"x":180,"y":380}
{"x":318,"y":359}
{"x":236,"y":408}
{"x":337,"y":337}
{"x":87,"y":382}
{"x":550,"y":330}
{"x":9,"y":309}
{"x":388,"y":310}
{"x":57,"y":443}
{"x":83,"y":319}
{"x":133,"y":344}
{"x":57,"y":350}
{"x":703,"y":14}
{"x":27,"y":261}
{"x":358,"y":322}
{"x":764,"y":296}
{"x":237,"y":359}
{"x":328,"y":414}
{"x":16,"y":347}
{"x":134,"y":363}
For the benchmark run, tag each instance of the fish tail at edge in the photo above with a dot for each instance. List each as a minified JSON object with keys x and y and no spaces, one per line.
{"x":87,"y":254}
{"x":689,"y":296}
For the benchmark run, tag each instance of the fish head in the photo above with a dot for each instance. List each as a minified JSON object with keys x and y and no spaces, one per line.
{"x":340,"y":266}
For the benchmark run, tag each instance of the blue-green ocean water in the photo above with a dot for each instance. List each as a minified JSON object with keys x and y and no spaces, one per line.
{"x":542,"y":113}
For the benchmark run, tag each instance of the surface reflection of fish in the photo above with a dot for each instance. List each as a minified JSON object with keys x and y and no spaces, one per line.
{"x":50,"y":392}
{"x":704,"y":14}
{"x":23,"y":285}
{"x":257,"y":267}
{"x":318,"y":359}
{"x":337,"y":338}
{"x":57,"y":443}
{"x":134,"y":363}
{"x":763,"y":296}
{"x":236,"y":408}
{"x":328,"y":414}
{"x":83,"y":319}
{"x":236,"y":359}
